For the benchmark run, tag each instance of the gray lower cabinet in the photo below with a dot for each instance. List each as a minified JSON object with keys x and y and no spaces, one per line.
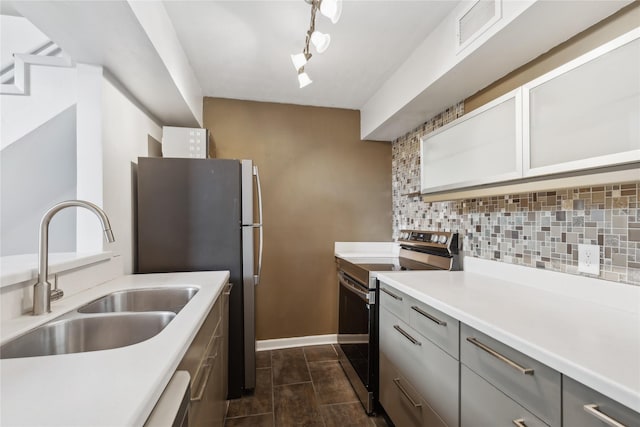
{"x":438,"y":372}
{"x":205,"y":360}
{"x":419,"y":381}
{"x":437,"y":327}
{"x":584,"y":407}
{"x":401,"y":401}
{"x":532,"y":384}
{"x":484,"y":405}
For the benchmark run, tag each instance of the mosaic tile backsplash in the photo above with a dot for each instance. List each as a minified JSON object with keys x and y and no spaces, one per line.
{"x":541,"y":229}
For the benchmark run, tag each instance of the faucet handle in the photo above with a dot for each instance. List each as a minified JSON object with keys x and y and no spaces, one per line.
{"x":56,"y":294}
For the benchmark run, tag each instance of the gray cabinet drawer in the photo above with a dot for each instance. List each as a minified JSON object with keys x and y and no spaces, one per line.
{"x":432,"y":371}
{"x":402,"y":403}
{"x":576,"y":396}
{"x":484,"y":405}
{"x":394,"y":301}
{"x":439,"y":328}
{"x":538,"y":390}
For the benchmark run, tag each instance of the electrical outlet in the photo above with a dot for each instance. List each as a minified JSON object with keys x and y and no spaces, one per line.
{"x":589,"y":259}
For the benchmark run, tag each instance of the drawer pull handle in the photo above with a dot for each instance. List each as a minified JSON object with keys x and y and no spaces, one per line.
{"x":415,"y":404}
{"x":406,"y":335}
{"x":428,"y":316}
{"x":391,"y":294}
{"x":519,"y":422}
{"x":203,"y":386}
{"x":595,"y":411}
{"x":514,"y":365}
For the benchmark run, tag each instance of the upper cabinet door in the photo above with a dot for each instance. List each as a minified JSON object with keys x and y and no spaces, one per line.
{"x":482,"y":147}
{"x":586,"y":113}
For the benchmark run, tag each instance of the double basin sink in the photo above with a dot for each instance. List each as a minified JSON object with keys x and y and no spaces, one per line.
{"x":115,"y":320}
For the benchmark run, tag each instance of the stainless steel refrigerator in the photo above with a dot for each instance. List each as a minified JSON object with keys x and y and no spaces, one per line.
{"x":198,"y":214}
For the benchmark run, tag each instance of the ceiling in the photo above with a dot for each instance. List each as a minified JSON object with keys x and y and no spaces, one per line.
{"x":394,"y":61}
{"x":240,"y":49}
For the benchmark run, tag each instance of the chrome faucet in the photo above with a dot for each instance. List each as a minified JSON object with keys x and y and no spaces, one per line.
{"x":42,"y":294}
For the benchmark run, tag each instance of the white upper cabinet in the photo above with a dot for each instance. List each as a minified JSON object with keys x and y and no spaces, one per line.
{"x":585,"y":114}
{"x":482,"y":147}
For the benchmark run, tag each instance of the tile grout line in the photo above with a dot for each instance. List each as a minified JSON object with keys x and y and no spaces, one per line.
{"x":341,"y":403}
{"x":273,"y":397}
{"x":288,"y":384}
{"x":315,"y":393}
{"x":247,"y":416}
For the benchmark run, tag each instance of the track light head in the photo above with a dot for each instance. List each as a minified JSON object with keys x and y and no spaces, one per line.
{"x":320,"y":41}
{"x":303,"y":79}
{"x":332,"y":9}
{"x":299,"y":60}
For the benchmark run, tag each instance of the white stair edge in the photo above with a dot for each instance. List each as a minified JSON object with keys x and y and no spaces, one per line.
{"x":10,"y":89}
{"x":20,"y":84}
{"x":50,"y":61}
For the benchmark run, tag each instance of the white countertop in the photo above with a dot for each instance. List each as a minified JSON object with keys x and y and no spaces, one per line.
{"x":19,"y":268}
{"x":117,"y":387}
{"x":595,"y":343}
{"x":366,"y":249}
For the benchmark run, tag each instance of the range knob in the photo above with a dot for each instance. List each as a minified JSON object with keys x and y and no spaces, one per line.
{"x":434,"y":238}
{"x":442,"y":239}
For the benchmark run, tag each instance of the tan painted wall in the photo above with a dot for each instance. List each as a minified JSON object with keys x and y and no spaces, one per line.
{"x":617,"y":24}
{"x":321,"y":184}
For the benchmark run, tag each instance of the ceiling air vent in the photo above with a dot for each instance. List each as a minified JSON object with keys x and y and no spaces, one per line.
{"x":476,"y":19}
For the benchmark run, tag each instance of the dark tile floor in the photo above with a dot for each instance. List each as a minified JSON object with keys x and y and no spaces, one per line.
{"x":302,"y":386}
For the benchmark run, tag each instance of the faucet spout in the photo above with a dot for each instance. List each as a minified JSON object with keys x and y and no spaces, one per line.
{"x":42,"y":289}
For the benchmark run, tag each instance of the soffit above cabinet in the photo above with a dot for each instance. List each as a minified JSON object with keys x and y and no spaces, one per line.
{"x":442,"y":72}
{"x":134,"y":41}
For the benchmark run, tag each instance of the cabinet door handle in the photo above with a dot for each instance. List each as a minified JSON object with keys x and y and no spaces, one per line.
{"x":391,"y":294}
{"x":227,"y":290}
{"x":203,"y":386}
{"x":514,"y":365}
{"x":428,"y":316}
{"x":519,"y":422}
{"x":594,"y":410}
{"x":406,"y":335}
{"x":415,"y":404}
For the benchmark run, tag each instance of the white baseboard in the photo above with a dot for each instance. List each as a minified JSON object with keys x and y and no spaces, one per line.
{"x":279,"y":343}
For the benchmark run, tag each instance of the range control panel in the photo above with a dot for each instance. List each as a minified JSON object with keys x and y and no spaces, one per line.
{"x":429,"y":239}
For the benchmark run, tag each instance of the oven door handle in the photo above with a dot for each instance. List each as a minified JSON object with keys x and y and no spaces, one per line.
{"x":351,"y":287}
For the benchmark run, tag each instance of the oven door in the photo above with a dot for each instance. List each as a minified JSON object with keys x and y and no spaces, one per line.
{"x":356,"y":333}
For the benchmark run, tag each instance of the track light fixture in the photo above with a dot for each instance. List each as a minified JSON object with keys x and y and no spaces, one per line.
{"x":332,"y":9}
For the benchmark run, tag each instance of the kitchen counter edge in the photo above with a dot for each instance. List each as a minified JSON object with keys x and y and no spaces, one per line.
{"x":103,"y":388}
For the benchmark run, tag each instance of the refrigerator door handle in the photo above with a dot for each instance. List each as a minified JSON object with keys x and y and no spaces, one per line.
{"x":256,"y":277}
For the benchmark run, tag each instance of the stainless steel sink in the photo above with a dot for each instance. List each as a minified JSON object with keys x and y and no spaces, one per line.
{"x":152,"y":299}
{"x":87,"y":333}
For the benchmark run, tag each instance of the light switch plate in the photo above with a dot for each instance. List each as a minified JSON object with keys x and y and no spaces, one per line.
{"x":589,"y":259}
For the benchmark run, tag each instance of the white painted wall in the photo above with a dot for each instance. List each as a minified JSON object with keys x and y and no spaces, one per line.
{"x":37,"y":172}
{"x":18,"y":35}
{"x":125,"y":131}
{"x":113,"y":131}
{"x":89,"y":155}
{"x":52,"y":91}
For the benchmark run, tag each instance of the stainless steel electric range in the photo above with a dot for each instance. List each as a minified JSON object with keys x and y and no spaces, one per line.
{"x":359,"y":295}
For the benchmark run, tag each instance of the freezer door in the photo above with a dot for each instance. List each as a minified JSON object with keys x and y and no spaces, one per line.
{"x":247,"y":192}
{"x":189,"y":213}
